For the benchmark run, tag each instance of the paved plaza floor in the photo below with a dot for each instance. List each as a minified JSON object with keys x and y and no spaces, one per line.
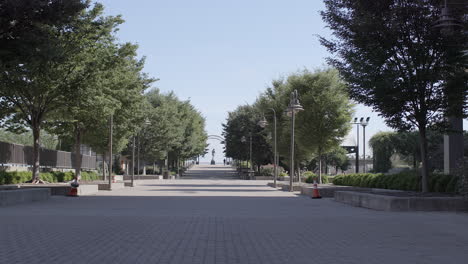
{"x":223,"y":220}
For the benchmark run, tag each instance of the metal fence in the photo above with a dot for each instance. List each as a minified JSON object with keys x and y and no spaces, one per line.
{"x":14,"y":154}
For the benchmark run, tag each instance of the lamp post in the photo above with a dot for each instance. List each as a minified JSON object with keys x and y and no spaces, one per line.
{"x":147,"y":122}
{"x":364,"y":123}
{"x":138,"y":157}
{"x":357,"y":145}
{"x":451,"y":28}
{"x":243,"y":139}
{"x":262,"y":123}
{"x":111,"y":123}
{"x":133,"y":163}
{"x":293,"y":108}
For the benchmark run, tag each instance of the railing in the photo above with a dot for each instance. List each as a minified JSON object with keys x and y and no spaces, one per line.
{"x":14,"y":154}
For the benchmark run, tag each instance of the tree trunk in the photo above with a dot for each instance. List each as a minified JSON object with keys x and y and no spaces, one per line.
{"x":320,"y":165}
{"x":78,"y":156}
{"x":424,"y":168}
{"x":36,"y":128}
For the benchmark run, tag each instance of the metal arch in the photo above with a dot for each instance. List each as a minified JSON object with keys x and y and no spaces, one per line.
{"x":216,"y":137}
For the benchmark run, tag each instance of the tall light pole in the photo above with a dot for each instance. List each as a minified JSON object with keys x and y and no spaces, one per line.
{"x":451,"y":27}
{"x":293,"y":108}
{"x":111,"y":123}
{"x":263,"y":123}
{"x":133,"y":163}
{"x":357,"y":145}
{"x":243,"y":139}
{"x":364,"y":123}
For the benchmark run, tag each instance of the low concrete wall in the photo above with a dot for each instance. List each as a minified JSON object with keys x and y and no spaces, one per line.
{"x":115,"y":186}
{"x":296,"y":187}
{"x":143,"y":177}
{"x":64,"y":189}
{"x":19,"y":196}
{"x":392,"y":203}
{"x":263,"y":178}
{"x":328,"y":190}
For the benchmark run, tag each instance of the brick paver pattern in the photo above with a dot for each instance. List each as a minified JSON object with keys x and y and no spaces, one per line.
{"x":223,"y":220}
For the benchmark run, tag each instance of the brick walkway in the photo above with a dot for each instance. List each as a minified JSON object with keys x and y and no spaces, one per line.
{"x":223,"y":221}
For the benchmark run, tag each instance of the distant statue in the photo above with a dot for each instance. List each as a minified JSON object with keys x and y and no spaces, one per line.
{"x":212,"y":157}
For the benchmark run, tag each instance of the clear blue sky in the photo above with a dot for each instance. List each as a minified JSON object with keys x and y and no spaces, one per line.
{"x":221,"y":54}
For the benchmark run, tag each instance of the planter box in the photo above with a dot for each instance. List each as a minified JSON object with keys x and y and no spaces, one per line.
{"x":393,"y":203}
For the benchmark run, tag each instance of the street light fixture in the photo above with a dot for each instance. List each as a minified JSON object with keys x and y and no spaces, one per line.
{"x":364,"y":123}
{"x":293,"y":108}
{"x":447,"y":22}
{"x":451,"y":27}
{"x":357,"y":144}
{"x":263,"y":123}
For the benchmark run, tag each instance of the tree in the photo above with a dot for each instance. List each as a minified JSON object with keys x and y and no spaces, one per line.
{"x":111,"y":82}
{"x":337,"y":157}
{"x":240,"y":124}
{"x":325,"y":119}
{"x":394,"y":61}
{"x":327,"y":113}
{"x":383,"y":148}
{"x":35,"y":66}
{"x":175,"y":129}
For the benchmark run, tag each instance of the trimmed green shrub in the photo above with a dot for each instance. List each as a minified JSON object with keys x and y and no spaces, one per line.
{"x":310,"y":176}
{"x":15,"y":177}
{"x":406,"y":181}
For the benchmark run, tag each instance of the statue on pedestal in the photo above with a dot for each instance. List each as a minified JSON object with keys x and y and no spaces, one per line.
{"x":212,"y":157}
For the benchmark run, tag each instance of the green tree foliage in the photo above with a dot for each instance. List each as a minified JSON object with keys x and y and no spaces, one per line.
{"x":327,"y":113}
{"x":240,"y":124}
{"x":48,"y":141}
{"x":406,"y":145}
{"x":325,"y":120}
{"x":174,"y":129}
{"x":395,"y":62}
{"x":75,"y":76}
{"x":383,"y":147}
{"x":338,"y":158}
{"x":112,"y":83}
{"x":36,"y":66}
{"x":320,"y":128}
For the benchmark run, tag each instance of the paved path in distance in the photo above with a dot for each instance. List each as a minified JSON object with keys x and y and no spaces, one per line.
{"x":221,"y":221}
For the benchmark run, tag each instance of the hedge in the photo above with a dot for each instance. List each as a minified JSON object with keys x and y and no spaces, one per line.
{"x":310,"y":176}
{"x":406,"y":181}
{"x":14,"y":177}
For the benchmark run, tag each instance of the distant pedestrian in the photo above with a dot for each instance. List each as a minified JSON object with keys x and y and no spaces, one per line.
{"x":224,"y":160}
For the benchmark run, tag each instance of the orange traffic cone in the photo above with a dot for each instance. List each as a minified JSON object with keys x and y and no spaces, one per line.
{"x":73,"y":192}
{"x":113,"y":178}
{"x":316,"y":193}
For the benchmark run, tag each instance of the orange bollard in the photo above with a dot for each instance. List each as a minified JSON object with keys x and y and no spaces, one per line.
{"x":316,"y":193}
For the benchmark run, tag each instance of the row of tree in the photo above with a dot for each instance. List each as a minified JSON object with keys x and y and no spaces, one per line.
{"x":320,"y":127}
{"x":63,"y":70}
{"x":174,"y":131}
